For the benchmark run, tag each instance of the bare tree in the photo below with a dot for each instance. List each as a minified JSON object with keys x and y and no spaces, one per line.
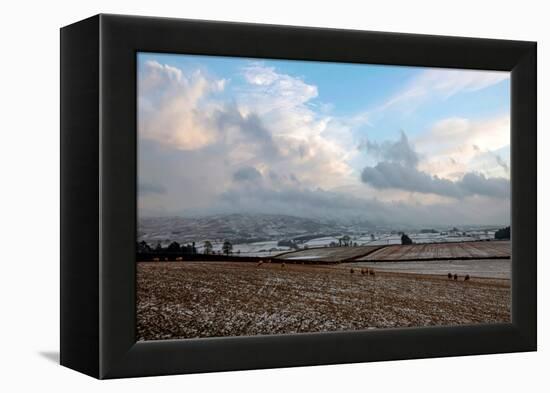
{"x":227,"y":247}
{"x":207,"y":247}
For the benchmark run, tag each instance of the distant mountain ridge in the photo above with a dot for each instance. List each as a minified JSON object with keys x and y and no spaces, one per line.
{"x":239,"y":228}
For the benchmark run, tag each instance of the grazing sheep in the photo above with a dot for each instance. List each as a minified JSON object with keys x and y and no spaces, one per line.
{"x":156,"y":259}
{"x":371,"y":272}
{"x":467,"y":277}
{"x":449,"y":276}
{"x":362,"y":271}
{"x":455,"y":277}
{"x":282,"y":265}
{"x":260,"y":263}
{"x":179,"y":259}
{"x":351,"y":270}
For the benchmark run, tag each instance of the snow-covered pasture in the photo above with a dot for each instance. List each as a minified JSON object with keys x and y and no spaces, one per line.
{"x":329,"y":254}
{"x":177,"y":300}
{"x":486,"y":268}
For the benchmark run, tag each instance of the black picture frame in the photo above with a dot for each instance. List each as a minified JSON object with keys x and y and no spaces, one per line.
{"x":98,"y":195}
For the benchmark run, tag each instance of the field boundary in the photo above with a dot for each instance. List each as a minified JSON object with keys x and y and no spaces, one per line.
{"x":431,"y":259}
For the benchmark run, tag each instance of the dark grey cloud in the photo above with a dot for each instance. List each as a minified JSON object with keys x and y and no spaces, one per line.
{"x":247,"y":173}
{"x":150,"y":188}
{"x":398,"y":170}
{"x":400,"y":151}
{"x":397,"y":176}
{"x":251,"y":129}
{"x":478,"y":184}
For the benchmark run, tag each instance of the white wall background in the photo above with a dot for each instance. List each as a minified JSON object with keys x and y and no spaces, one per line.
{"x":29,"y":154}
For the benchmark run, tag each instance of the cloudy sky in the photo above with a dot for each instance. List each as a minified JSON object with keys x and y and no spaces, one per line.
{"x":393,"y":145}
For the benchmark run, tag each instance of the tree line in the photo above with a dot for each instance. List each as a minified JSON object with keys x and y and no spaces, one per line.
{"x":184,"y":249}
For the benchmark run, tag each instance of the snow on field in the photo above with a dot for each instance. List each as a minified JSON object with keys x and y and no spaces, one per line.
{"x":484,"y":249}
{"x":329,"y":254}
{"x":383,"y":239}
{"x":487,"y":268}
{"x":206,"y":299}
{"x":321,"y":241}
{"x":419,"y":251}
{"x":256,"y":249}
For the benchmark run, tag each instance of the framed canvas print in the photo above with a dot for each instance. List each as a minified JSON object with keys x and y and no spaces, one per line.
{"x":239,"y":196}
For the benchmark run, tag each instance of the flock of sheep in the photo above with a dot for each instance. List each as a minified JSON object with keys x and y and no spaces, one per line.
{"x":371,"y":272}
{"x":455,"y":277}
{"x":368,"y":272}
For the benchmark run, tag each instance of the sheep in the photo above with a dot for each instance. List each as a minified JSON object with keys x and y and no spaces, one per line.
{"x":467,"y":277}
{"x":362,"y":271}
{"x":156,"y":259}
{"x":371,"y":272}
{"x":260,"y":263}
{"x":351,"y":270}
{"x":282,"y":265}
{"x":455,"y":277}
{"x":179,"y":259}
{"x":449,"y":276}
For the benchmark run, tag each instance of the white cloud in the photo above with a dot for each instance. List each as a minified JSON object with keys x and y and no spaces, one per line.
{"x":171,"y":110}
{"x":442,"y":84}
{"x":455,"y":146}
{"x":315,"y":146}
{"x":283,"y":148}
{"x":196,"y":138}
{"x":272,"y":90}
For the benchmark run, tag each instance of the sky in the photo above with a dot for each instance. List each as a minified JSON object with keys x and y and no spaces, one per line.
{"x":392,"y":145}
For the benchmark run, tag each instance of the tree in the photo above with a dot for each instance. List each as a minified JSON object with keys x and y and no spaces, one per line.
{"x":227,"y":247}
{"x":143,"y":247}
{"x":158,"y":247}
{"x":174,"y":247}
{"x":207,"y":247}
{"x":406,"y":239}
{"x":503,"y":233}
{"x":346,"y":240}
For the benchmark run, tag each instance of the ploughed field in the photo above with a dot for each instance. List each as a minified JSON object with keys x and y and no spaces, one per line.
{"x":212,"y":299}
{"x":413,"y":252}
{"x":328,"y":254}
{"x":438,"y":251}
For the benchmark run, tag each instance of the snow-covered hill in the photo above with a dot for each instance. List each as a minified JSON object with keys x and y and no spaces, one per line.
{"x":240,"y":228}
